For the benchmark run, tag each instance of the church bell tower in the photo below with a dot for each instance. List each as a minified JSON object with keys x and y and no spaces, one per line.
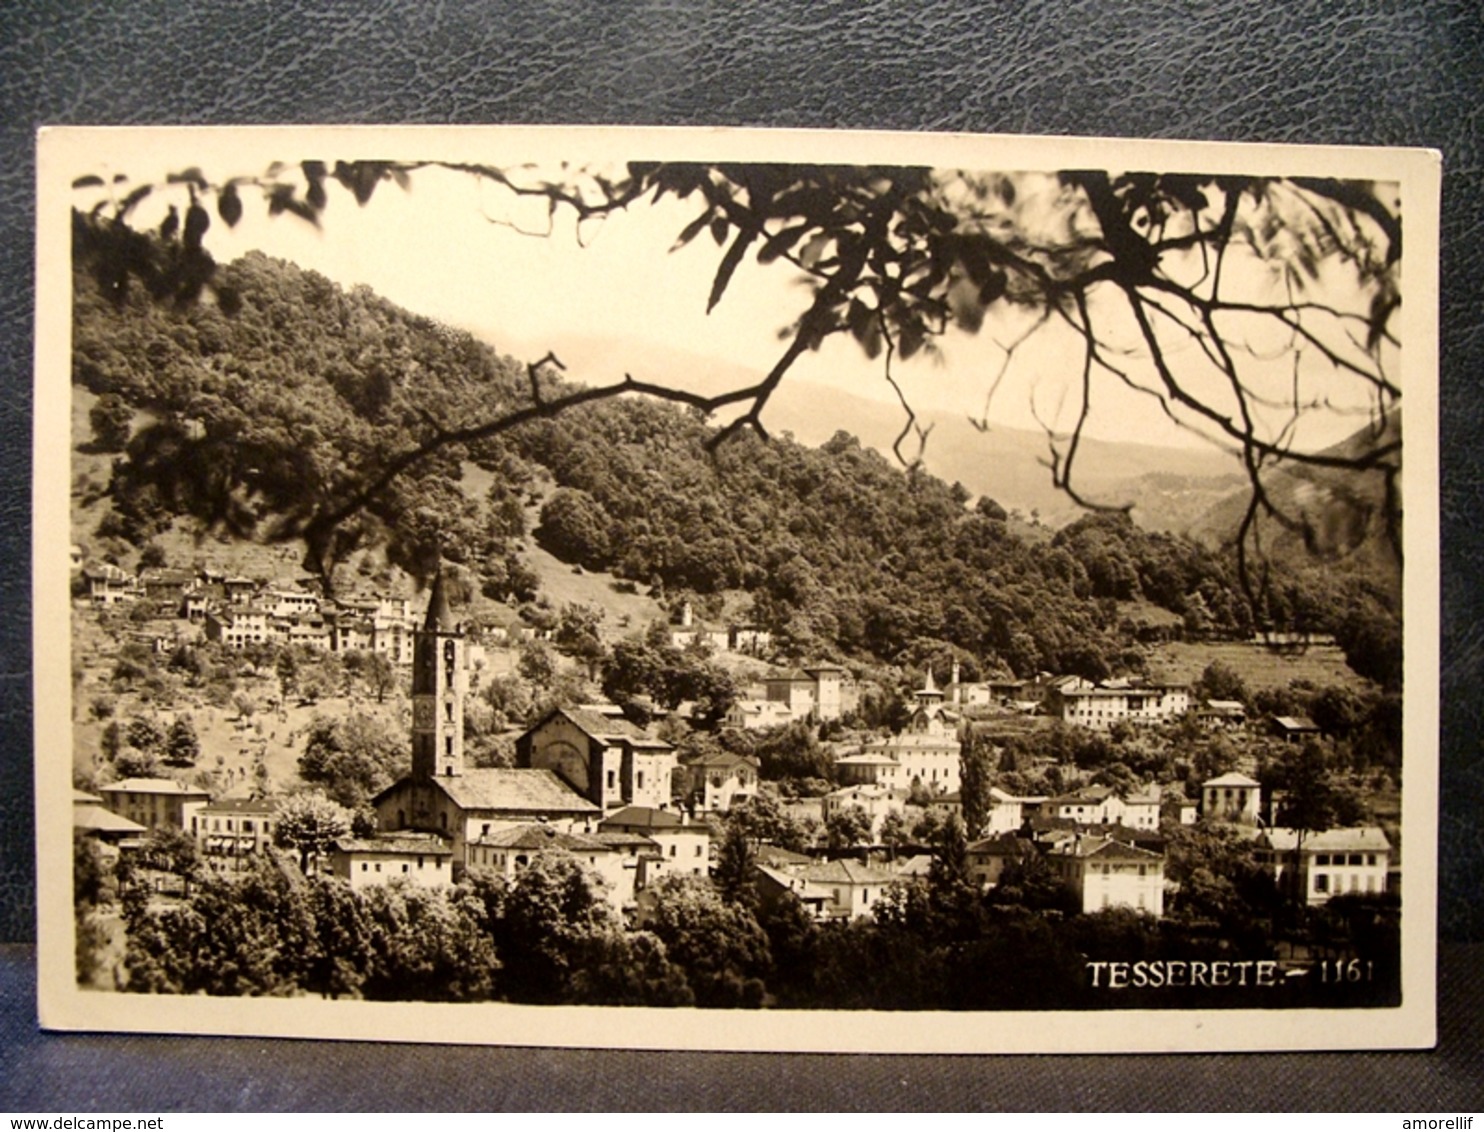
{"x":439,"y":683}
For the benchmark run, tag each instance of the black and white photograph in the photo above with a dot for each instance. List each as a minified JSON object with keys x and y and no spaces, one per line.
{"x":724,"y":589}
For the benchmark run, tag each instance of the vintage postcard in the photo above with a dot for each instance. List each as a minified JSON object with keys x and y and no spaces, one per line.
{"x":736,"y":590}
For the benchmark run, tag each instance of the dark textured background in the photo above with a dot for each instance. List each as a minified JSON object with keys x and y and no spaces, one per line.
{"x":1243,"y":70}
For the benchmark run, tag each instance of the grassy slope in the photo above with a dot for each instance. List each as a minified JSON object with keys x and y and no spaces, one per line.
{"x":1259,"y":667}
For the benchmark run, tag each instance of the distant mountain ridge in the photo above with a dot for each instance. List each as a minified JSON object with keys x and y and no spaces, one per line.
{"x":1343,"y":514}
{"x":1170,"y":488}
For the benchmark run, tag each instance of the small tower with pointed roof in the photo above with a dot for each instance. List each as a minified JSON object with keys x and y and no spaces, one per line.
{"x":928,"y":696}
{"x":438,"y":687}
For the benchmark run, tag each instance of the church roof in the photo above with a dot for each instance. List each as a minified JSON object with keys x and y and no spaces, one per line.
{"x":440,"y":617}
{"x":642,"y":817}
{"x":505,"y":790}
{"x":607,"y":728}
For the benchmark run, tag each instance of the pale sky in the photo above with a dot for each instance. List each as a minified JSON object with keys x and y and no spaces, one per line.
{"x":446,"y":249}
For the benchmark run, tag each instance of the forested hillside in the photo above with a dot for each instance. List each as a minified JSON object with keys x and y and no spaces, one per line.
{"x":260,"y":404}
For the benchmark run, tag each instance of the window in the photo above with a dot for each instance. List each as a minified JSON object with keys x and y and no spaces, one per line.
{"x":672,"y":850}
{"x":1321,"y":882}
{"x":247,"y":825}
{"x":700,"y":849}
{"x":419,"y":864}
{"x":404,"y":866}
{"x":1356,"y":859}
{"x":610,"y":780}
{"x":639,"y":779}
{"x":364,"y":866}
{"x":1322,"y":859}
{"x":378,"y":866}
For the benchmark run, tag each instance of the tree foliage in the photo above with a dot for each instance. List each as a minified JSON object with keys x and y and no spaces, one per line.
{"x":719,"y":945}
{"x":352,"y":758}
{"x":309,"y":823}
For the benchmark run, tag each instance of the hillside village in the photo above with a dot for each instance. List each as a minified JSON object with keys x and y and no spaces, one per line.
{"x":592,"y":711}
{"x":637,"y":800}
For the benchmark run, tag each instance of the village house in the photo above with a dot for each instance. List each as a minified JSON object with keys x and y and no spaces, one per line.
{"x":1233,"y":798}
{"x":757,"y":715}
{"x":238,"y":626}
{"x":684,"y":845}
{"x":422,"y":859}
{"x":1329,"y":863}
{"x":289,"y":602}
{"x":961,"y":694}
{"x":775,"y":883}
{"x":604,"y":758}
{"x":1104,"y":873}
{"x":505,"y":852}
{"x":236,"y":827}
{"x":1092,"y":805}
{"x":989,"y":857}
{"x":722,"y":780}
{"x":874,"y":769}
{"x":946,"y":807}
{"x":877,"y":801}
{"x":1176,"y":808}
{"x":1294,"y":728}
{"x":164,"y":586}
{"x":1098,"y":706}
{"x":817,"y":693}
{"x":108,"y":585}
{"x":110,"y":830}
{"x":1222,"y":715}
{"x":1007,"y":812}
{"x":850,"y":888}
{"x":154,"y":803}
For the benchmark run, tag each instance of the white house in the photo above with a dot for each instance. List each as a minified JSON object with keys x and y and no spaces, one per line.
{"x":1330,"y":863}
{"x":423,"y":859}
{"x":1076,"y":700}
{"x":876,"y":800}
{"x":722,"y":780}
{"x":1231,"y":798}
{"x":1104,"y":873}
{"x":507,"y":851}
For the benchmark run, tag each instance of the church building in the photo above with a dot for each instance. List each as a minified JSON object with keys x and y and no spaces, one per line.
{"x":442,"y":796}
